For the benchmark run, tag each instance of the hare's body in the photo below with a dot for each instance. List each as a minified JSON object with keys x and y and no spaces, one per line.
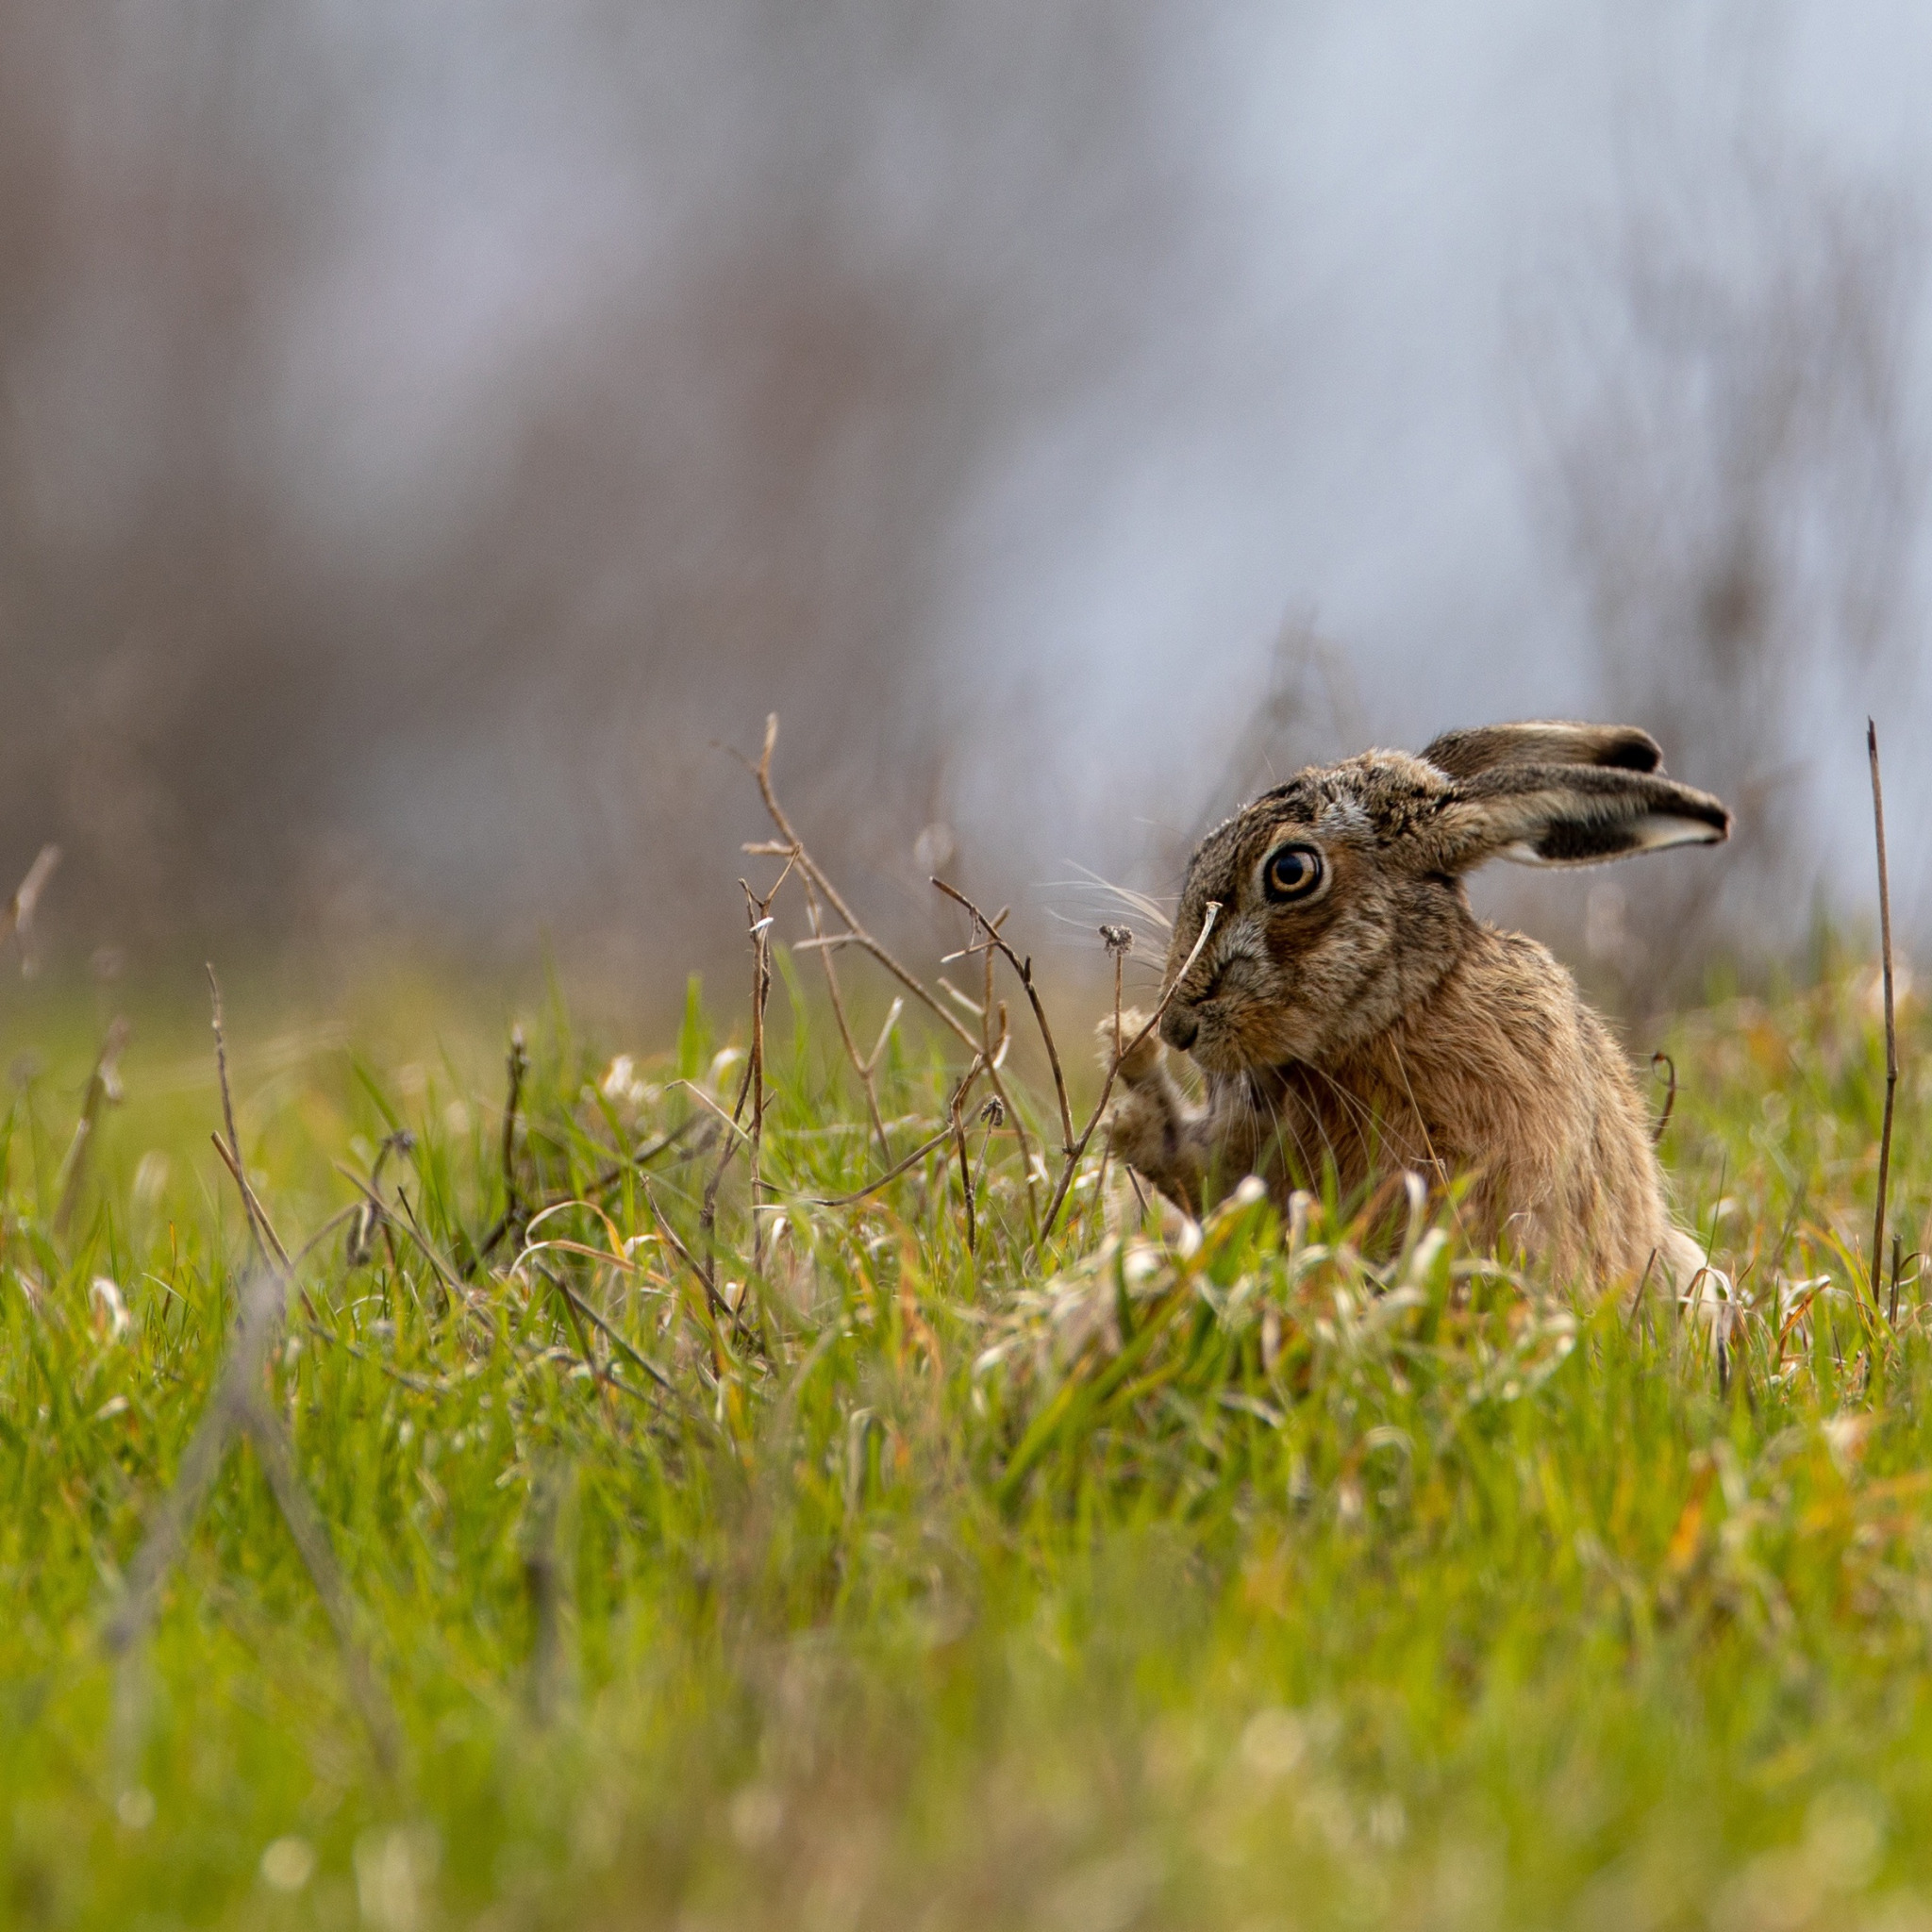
{"x":1353,"y":1016}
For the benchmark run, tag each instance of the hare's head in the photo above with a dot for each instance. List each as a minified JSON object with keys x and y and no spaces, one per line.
{"x":1341,"y":892}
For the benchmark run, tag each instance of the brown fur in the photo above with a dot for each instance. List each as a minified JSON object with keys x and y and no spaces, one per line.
{"x":1375,"y":1025}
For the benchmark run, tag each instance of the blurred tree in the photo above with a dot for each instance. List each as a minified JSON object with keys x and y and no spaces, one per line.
{"x":418,"y":443}
{"x":1732,"y":473}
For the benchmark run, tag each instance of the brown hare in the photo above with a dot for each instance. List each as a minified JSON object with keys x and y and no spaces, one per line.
{"x":1351,"y":1013}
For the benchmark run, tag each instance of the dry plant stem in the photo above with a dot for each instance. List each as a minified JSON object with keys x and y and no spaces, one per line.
{"x":965,"y":1176}
{"x":251,"y":1208}
{"x":102,"y":1088}
{"x":867,"y":1085}
{"x":993,"y":1113}
{"x":341,"y":1215}
{"x":1663,"y":1120}
{"x":261,"y":1230}
{"x":919,"y":1152}
{"x":707,"y":1219}
{"x":259,"y":1219}
{"x":707,"y":1212}
{"x":729,"y":1121}
{"x":1020,"y":1135}
{"x":879,"y":1045}
{"x":715,"y":1302}
{"x":447,"y":1277}
{"x":357,"y":1248}
{"x":237,"y":1407}
{"x":1119,"y":941}
{"x":994,"y":1045}
{"x":518,"y":1065}
{"x":793,"y":848}
{"x":644,"y":1156}
{"x":759,"y":912}
{"x":1073,"y":1154}
{"x":670,"y":1234}
{"x":892,"y":1174}
{"x":1024,"y":968}
{"x":18,"y":918}
{"x":599,"y":1373}
{"x":1637,"y":1300}
{"x":612,"y":1335}
{"x":1890,"y":1019}
{"x":251,"y":1204}
{"x":451,"y":1281}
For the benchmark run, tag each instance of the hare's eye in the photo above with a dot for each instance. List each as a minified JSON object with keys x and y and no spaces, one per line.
{"x":1292,"y":871}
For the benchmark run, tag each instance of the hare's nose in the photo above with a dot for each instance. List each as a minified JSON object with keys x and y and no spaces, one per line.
{"x":1179,"y":1027}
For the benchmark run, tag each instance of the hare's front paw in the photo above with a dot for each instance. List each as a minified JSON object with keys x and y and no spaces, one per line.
{"x":1137,"y":1064}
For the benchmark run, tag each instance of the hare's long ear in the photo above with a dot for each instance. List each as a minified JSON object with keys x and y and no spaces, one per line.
{"x":1567,"y":815}
{"x":1544,"y":742}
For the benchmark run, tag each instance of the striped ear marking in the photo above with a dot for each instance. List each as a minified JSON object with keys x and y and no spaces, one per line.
{"x":1569,"y":815}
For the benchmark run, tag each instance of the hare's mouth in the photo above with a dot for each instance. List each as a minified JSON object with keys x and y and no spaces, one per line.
{"x":1180,"y":1026}
{"x":1212,"y":1033}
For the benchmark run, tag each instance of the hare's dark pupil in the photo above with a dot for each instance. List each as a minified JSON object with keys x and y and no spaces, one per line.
{"x":1292,"y":872}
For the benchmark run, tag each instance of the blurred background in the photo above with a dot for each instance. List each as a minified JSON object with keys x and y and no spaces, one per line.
{"x":429,"y":433}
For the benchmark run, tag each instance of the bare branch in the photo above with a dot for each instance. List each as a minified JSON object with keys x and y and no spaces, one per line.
{"x":919,"y":1152}
{"x":965,"y":1177}
{"x":859,"y":1066}
{"x":266,"y":1241}
{"x":1024,"y":968}
{"x":1066,"y":1180}
{"x":794,"y":848}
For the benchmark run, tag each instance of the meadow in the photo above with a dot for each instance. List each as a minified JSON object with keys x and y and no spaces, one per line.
{"x":517,"y":1513}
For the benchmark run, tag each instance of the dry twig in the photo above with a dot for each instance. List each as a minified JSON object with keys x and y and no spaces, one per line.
{"x":1119,"y":941}
{"x":103,"y":1090}
{"x":268,"y":1244}
{"x":1663,"y":1120}
{"x":18,"y":918}
{"x":1024,"y":968}
{"x":864,"y":1068}
{"x":790,"y":846}
{"x":1073,"y":1154}
{"x":992,"y":1112}
{"x":1890,"y":1022}
{"x":759,"y":917}
{"x":965,"y":1176}
{"x":517,"y":1066}
{"x":919,"y":1152}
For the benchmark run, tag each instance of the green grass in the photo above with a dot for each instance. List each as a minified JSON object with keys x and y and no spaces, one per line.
{"x":1147,"y":1580}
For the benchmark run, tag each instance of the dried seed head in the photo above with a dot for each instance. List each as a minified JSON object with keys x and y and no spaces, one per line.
{"x":1118,"y":937}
